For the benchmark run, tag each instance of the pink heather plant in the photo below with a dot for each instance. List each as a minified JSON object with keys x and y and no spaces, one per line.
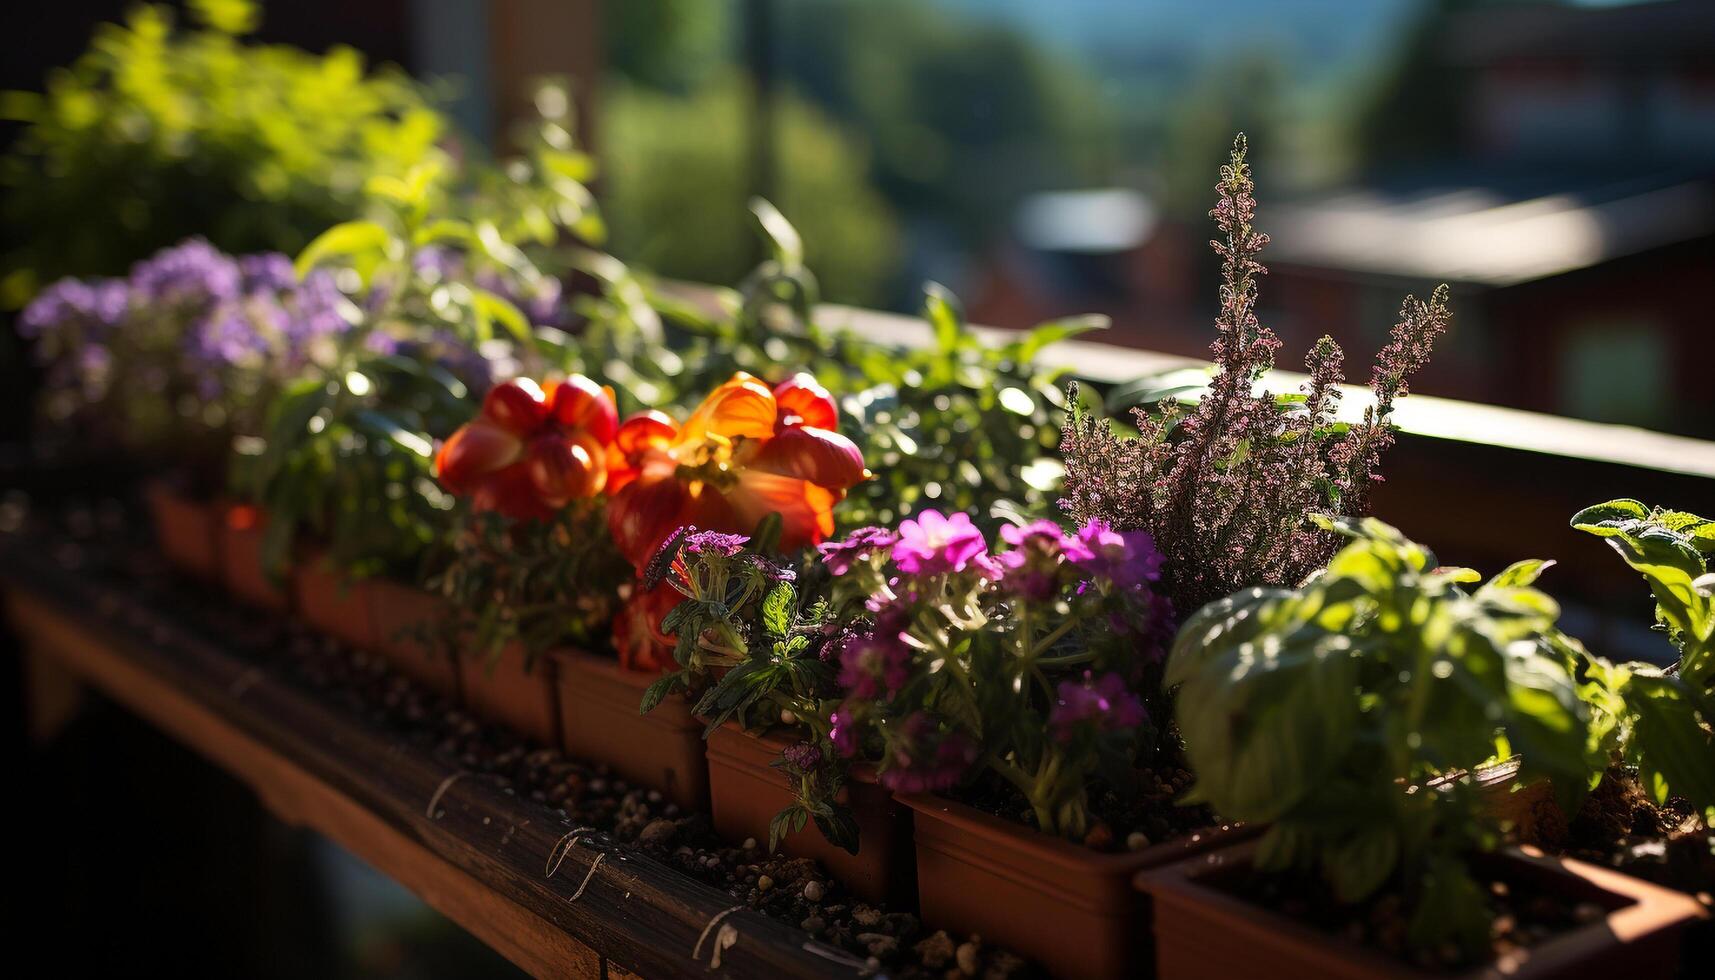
{"x":1227,"y":488}
{"x":1019,"y":666}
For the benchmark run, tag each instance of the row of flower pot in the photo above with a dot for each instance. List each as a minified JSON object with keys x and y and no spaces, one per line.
{"x":1078,"y":911}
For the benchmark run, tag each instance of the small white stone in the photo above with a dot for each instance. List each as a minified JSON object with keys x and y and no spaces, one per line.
{"x":1137,"y":840}
{"x":750,"y":843}
{"x":813,"y":891}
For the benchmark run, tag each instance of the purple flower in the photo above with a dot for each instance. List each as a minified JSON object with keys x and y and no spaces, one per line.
{"x":1031,"y":570}
{"x":936,"y":545}
{"x":266,"y":272}
{"x":802,"y":756}
{"x":1128,"y":559}
{"x":874,"y":665}
{"x":94,"y":306}
{"x":923,"y":759}
{"x":839,"y":556}
{"x":714,"y":544}
{"x":1108,"y":703}
{"x":193,"y":273}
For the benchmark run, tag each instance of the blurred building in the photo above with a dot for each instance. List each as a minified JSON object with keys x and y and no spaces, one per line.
{"x":1572,"y":209}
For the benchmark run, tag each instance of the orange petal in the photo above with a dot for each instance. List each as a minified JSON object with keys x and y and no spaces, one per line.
{"x":478,"y":448}
{"x":637,"y":635}
{"x":643,"y":514}
{"x":802,"y":400}
{"x":518,"y":406}
{"x":820,"y":456}
{"x":743,"y":406}
{"x":562,"y":470}
{"x":512,"y":492}
{"x":806,"y":510}
{"x":581,"y":404}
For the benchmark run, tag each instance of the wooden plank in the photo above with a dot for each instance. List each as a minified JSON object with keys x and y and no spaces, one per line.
{"x":480,"y":855}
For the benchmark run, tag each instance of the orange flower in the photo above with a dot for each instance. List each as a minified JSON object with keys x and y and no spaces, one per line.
{"x":531,"y":451}
{"x":747,"y":451}
{"x":637,"y":632}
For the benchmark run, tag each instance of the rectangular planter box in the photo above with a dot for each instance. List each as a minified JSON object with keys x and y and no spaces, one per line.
{"x":187,"y":530}
{"x":334,"y":603}
{"x":745,"y":793}
{"x":599,"y":722}
{"x":1073,"y":909}
{"x":241,"y":531}
{"x":1204,"y":931}
{"x":507,"y":694}
{"x":406,"y":621}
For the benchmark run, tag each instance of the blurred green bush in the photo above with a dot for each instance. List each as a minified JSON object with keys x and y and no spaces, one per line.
{"x":157,"y":133}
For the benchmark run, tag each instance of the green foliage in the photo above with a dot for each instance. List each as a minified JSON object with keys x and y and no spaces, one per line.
{"x":540,"y":584}
{"x":963,"y":423}
{"x":678,"y":203}
{"x":1313,"y":709}
{"x":1661,"y":721}
{"x":157,"y":134}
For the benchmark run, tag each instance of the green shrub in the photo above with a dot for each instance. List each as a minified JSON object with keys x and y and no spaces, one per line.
{"x":156,"y":134}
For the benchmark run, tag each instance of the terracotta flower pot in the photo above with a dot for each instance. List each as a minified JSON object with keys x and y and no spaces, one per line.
{"x":745,"y":793}
{"x":599,"y":721}
{"x":187,"y":530}
{"x":241,"y":532}
{"x":1071,"y":908}
{"x":334,"y":603}
{"x":502,"y":691}
{"x":1203,"y":930}
{"x":405,"y":621}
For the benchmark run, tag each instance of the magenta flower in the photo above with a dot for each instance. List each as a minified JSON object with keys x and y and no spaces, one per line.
{"x":839,"y":556}
{"x":874,"y":665}
{"x":937,"y":545}
{"x":714,"y":544}
{"x":1107,"y":703}
{"x":1128,"y":559}
{"x":1031,"y":570}
{"x":926,"y":760}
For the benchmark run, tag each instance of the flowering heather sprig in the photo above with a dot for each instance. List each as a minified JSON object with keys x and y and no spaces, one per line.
{"x":1226,"y":488}
{"x":924,"y":758}
{"x":860,"y":544}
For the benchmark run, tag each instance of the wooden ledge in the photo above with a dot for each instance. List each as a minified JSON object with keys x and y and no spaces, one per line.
{"x":467,"y":847}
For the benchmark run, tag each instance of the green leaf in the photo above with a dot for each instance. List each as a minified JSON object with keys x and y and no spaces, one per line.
{"x":941,"y":308}
{"x":363,"y":243}
{"x":1520,"y":573}
{"x":490,"y":308}
{"x":1674,"y":751}
{"x":1055,"y":331}
{"x":777,"y":608}
{"x":656,"y":692}
{"x":1358,"y":865}
{"x":782,"y":239}
{"x":1605,"y":519}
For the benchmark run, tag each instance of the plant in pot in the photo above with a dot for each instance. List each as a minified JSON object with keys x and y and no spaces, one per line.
{"x":1652,"y":812}
{"x":749,"y":456}
{"x":345,"y":469}
{"x":530,"y":567}
{"x":173,"y":363}
{"x":996,"y":695}
{"x":1326,"y":712}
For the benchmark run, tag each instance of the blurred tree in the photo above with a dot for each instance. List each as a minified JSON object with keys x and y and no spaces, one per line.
{"x":677,"y":182}
{"x":670,"y":45}
{"x":1412,"y":112}
{"x":1239,"y":94}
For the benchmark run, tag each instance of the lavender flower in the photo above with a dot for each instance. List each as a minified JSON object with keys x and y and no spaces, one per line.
{"x":94,"y":306}
{"x":193,"y":273}
{"x":1226,"y":488}
{"x":839,"y":556}
{"x":934,"y":544}
{"x":1107,"y":704}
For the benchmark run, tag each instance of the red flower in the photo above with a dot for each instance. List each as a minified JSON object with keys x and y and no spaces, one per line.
{"x":746,"y":452}
{"x":531,"y":451}
{"x":637,"y":632}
